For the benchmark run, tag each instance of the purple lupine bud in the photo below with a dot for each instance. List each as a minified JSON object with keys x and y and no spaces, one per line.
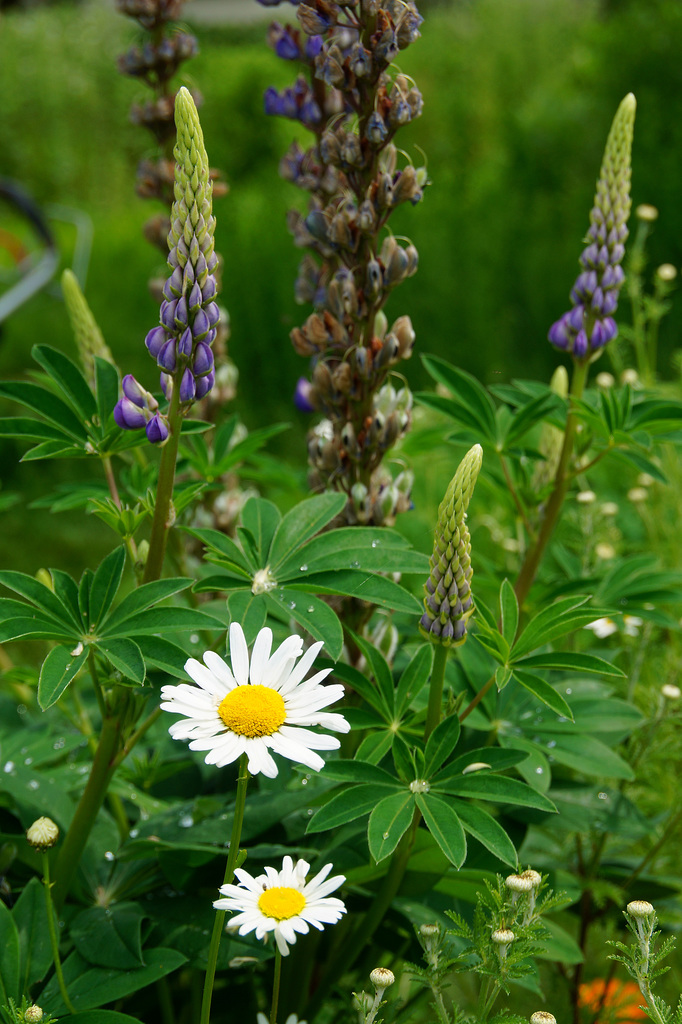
{"x":559,"y":334}
{"x":613,"y":277}
{"x":575,"y":317}
{"x":211,"y":336}
{"x":204,"y":384}
{"x":302,"y":395}
{"x":175,"y":282}
{"x":208,"y":292}
{"x":590,"y":256}
{"x":154,"y":341}
{"x":213,"y":313}
{"x":598,"y":336}
{"x":166,"y":382}
{"x":167,"y":357}
{"x":167,"y":314}
{"x":617,"y":252}
{"x":195,"y":297}
{"x":133,"y":391}
{"x":603,"y":258}
{"x":211,"y":262}
{"x":286,"y":46}
{"x":376,"y":129}
{"x":201,"y":267}
{"x":166,"y":291}
{"x":189,"y":272}
{"x":610,"y":303}
{"x":157,"y":429}
{"x":128,"y":416}
{"x":181,"y":315}
{"x":271,"y":101}
{"x":400,"y":112}
{"x":611,"y":328}
{"x":201,"y":325}
{"x":188,"y":388}
{"x":186,"y":344}
{"x":313,"y":46}
{"x":598,"y":301}
{"x":310,"y":113}
{"x":580,"y":344}
{"x":203,"y":360}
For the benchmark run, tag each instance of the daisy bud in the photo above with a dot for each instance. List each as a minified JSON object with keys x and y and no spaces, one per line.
{"x":448,"y":603}
{"x":671,"y":692}
{"x":534,"y":877}
{"x":42,"y":834}
{"x":381,"y":978}
{"x":33,"y":1014}
{"x":503,"y":938}
{"x":640,"y":909}
{"x":542,"y":1017}
{"x":517,"y":883}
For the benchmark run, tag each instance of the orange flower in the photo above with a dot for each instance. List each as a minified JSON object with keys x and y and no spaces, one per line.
{"x":618,"y":1001}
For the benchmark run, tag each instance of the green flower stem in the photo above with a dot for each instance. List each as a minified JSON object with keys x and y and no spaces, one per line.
{"x":136,"y":736}
{"x":435,"y":705}
{"x":54,"y":941}
{"x":275,"y":986}
{"x":233,"y":853}
{"x":477,"y":699}
{"x":131,"y":547}
{"x":553,"y":511}
{"x":163,"y":519}
{"x":103,"y":767}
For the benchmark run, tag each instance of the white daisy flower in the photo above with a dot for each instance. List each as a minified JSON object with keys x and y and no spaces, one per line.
{"x":282,"y":902}
{"x":258,"y":706}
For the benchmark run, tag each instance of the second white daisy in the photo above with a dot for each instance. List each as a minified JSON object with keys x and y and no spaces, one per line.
{"x":257,"y":706}
{"x":282,"y":902}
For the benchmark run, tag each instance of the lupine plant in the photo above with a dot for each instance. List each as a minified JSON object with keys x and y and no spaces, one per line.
{"x":247,"y":783}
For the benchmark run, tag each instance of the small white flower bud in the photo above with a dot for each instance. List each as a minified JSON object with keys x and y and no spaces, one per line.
{"x":33,"y":1014}
{"x":637,"y":495}
{"x":609,"y":508}
{"x":429,"y":930}
{"x":639,"y":908}
{"x":671,"y":692}
{"x":667,"y":272}
{"x":43,"y":834}
{"x":517,"y":883}
{"x":630,"y":376}
{"x":381,"y":977}
{"x":605,"y":380}
{"x":542,"y":1017}
{"x":534,"y":877}
{"x":503,"y":936}
{"x":585,"y":497}
{"x":645,"y":211}
{"x":605,"y":552}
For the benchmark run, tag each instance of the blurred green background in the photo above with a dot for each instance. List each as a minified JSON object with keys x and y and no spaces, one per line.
{"x":518,"y":99}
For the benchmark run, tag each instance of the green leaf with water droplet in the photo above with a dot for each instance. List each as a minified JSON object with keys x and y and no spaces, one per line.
{"x":59,"y":669}
{"x":388,"y":822}
{"x":444,"y":825}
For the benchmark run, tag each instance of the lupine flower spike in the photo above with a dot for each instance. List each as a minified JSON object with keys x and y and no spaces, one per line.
{"x":89,"y":339}
{"x":589,"y":324}
{"x":448,"y":602}
{"x":181,"y":344}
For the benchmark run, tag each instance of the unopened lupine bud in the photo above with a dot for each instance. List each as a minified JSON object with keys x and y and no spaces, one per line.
{"x":448,"y":602}
{"x":89,"y":339}
{"x":42,"y":834}
{"x":589,"y":325}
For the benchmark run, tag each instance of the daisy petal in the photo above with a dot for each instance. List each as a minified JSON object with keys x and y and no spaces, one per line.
{"x":239,"y":654}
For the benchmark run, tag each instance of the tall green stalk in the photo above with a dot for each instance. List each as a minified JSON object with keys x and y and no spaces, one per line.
{"x":164,"y":516}
{"x":219,"y":921}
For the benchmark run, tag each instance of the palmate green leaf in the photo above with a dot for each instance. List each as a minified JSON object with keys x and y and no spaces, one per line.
{"x":404,"y":760}
{"x":444,"y":825}
{"x":261,"y":518}
{"x":229,"y":579}
{"x":388,"y":822}
{"x":496,"y":788}
{"x":66,"y":591}
{"x":440,"y":744}
{"x":91,"y":987}
{"x":59,"y":669}
{"x":376,"y":745}
{"x":489,"y":833}
{"x":414,"y":678}
{"x":544,"y":691}
{"x":509,"y":608}
{"x":499,"y":760}
{"x":126,"y":657}
{"x":640,"y":462}
{"x":314,"y":615}
{"x":255,"y":440}
{"x":360,"y":684}
{"x":554,"y":621}
{"x":47,"y":405}
{"x":30,"y":917}
{"x":142,"y":598}
{"x":587,"y":754}
{"x":343,"y":807}
{"x":31,"y":430}
{"x":106,"y":389}
{"x":571,"y":662}
{"x":372,"y":547}
{"x":35,"y":627}
{"x":40,"y":596}
{"x":9,"y":957}
{"x":379,"y":668}
{"x":469,"y":391}
{"x":109,"y":937}
{"x":250,"y":610}
{"x":377,"y":590}
{"x":222,"y":545}
{"x":301,"y":523}
{"x":526,"y":416}
{"x":360,"y":772}
{"x":68,"y":379}
{"x":99,"y":1017}
{"x":162,"y":654}
{"x":164,"y":620}
{"x":53,"y":450}
{"x":105,"y":584}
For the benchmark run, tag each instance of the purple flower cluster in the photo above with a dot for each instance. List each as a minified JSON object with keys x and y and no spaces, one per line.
{"x":589,"y":325}
{"x":181,"y":343}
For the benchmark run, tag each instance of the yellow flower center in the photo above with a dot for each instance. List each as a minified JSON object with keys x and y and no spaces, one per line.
{"x":281,"y":902}
{"x":253,"y":710}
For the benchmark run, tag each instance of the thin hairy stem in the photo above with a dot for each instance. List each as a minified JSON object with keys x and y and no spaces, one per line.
{"x":54,"y":941}
{"x":275,"y":986}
